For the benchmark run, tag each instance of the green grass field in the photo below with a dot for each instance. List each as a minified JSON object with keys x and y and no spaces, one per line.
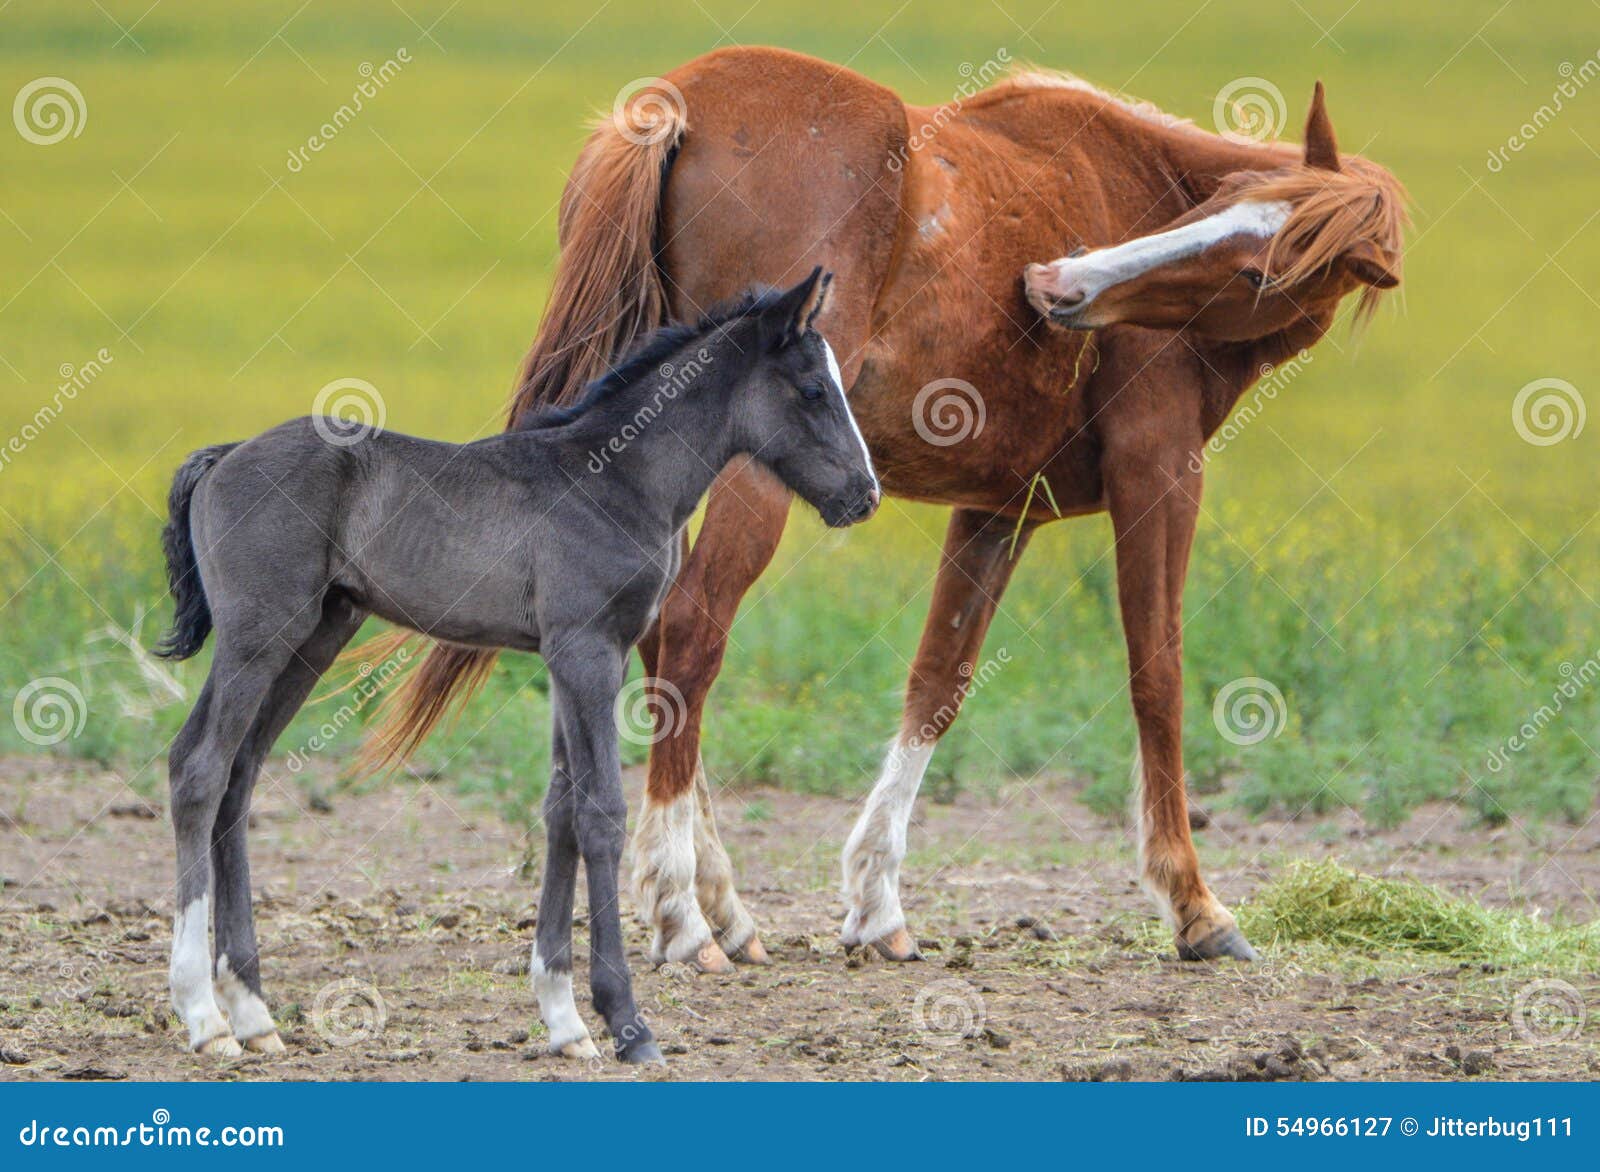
{"x":1415,"y":577}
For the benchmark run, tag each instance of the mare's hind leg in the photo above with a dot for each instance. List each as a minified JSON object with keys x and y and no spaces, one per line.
{"x":551,"y":966}
{"x":238,"y":966}
{"x":201,"y":762}
{"x":681,"y":875}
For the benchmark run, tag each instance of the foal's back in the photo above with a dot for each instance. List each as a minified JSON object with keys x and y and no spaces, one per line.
{"x":435,"y":536}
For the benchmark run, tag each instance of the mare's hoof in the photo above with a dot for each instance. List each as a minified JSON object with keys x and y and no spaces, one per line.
{"x":642,"y":1054}
{"x":751,"y":952}
{"x":897,"y":945}
{"x":1229,"y":942}
{"x":265,"y":1044}
{"x":711,"y":959}
{"x":225,"y":1046}
{"x":584,"y":1048}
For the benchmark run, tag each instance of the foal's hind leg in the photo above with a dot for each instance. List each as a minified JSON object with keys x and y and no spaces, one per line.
{"x":201,"y":761}
{"x":238,"y":967}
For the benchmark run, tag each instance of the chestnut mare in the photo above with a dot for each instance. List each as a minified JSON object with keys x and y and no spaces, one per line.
{"x":1194,"y":261}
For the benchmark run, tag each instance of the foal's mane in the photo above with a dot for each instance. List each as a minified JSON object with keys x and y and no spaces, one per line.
{"x":1331,"y":212}
{"x":652,"y":352}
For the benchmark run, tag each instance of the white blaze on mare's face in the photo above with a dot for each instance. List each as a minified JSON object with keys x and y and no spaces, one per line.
{"x":1095,"y":272}
{"x":838,"y":383}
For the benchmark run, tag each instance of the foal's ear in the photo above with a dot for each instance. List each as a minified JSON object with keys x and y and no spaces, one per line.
{"x":798,"y":307}
{"x":1366,"y":262}
{"x":1322,"y":149}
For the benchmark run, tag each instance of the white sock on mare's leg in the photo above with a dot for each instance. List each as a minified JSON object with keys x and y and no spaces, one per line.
{"x":872,"y":855}
{"x":190,"y":977}
{"x":664,"y":882}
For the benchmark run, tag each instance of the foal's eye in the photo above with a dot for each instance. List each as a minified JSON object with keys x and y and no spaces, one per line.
{"x":813,"y":391}
{"x":1256,"y":278}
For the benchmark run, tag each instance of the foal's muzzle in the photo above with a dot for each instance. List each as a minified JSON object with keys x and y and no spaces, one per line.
{"x":1056,"y":293}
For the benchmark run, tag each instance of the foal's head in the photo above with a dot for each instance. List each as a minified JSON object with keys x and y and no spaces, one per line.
{"x":792,"y":415}
{"x":1267,"y":249}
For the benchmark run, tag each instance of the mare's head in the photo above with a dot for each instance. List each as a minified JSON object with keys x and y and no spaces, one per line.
{"x":1268,"y":249}
{"x":791,"y":413}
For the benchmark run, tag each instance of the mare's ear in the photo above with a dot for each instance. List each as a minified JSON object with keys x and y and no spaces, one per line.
{"x":1366,"y":262}
{"x":792,"y":313}
{"x":1322,"y":149}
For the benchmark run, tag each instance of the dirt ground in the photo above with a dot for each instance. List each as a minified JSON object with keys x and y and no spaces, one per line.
{"x":395,"y":927}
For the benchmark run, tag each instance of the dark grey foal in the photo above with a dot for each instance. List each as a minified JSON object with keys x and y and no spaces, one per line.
{"x":560,"y":538}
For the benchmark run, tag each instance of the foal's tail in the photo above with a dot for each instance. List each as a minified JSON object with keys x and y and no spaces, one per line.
{"x":192,"y":621}
{"x":608,"y":292}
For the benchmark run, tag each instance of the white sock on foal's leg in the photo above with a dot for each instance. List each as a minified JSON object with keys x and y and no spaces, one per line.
{"x":190,"y":979}
{"x":569,"y":1037}
{"x":872,"y":855}
{"x":248,"y":1014}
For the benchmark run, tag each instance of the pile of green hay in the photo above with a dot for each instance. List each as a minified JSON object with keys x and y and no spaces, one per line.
{"x":1324,"y":903}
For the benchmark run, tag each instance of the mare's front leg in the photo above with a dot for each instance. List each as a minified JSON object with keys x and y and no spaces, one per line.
{"x":1153,"y":492}
{"x":587,"y":673}
{"x":973,"y":571}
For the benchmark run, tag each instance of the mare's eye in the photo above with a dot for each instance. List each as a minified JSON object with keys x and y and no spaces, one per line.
{"x":1256,"y":278}
{"x":813,"y":391}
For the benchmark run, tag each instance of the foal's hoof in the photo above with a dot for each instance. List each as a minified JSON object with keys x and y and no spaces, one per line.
{"x":897,"y":945}
{"x":584,"y":1048}
{"x":642,"y":1054}
{"x":1223,"y":942}
{"x":751,"y":952}
{"x":224,"y":1046}
{"x":265,"y":1044}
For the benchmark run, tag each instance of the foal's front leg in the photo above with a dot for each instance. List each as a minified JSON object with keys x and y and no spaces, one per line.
{"x":588,"y":676}
{"x":551,"y":967}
